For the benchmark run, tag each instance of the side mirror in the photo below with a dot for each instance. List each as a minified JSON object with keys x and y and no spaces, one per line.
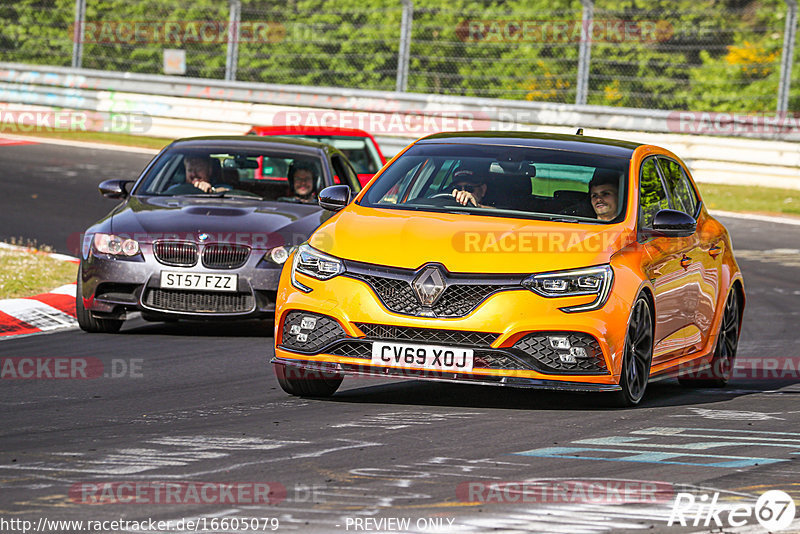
{"x":114,"y":188}
{"x":673,"y":223}
{"x":335,"y":197}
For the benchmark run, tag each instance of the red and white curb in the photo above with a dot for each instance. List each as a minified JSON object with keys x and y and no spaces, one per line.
{"x":54,"y":310}
{"x":7,"y":141}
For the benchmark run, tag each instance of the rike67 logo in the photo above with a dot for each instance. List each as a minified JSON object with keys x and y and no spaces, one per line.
{"x":774,"y":510}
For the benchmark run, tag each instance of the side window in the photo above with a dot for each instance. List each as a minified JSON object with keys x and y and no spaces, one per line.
{"x":442,"y":177}
{"x":680,"y":191}
{"x":344,"y":173}
{"x":691,"y":194}
{"x":652,"y":197}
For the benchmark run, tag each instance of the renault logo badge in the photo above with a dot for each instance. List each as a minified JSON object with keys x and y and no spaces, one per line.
{"x":429,"y":285}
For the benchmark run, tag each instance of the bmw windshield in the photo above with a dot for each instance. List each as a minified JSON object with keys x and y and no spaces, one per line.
{"x":230,"y":172}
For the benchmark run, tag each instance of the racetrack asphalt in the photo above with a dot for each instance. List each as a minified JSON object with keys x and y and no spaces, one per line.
{"x":194,"y":402}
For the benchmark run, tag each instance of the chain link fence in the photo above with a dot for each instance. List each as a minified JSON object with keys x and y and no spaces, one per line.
{"x":678,"y":54}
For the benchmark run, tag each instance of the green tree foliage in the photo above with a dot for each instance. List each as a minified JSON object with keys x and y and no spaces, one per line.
{"x":669,"y":54}
{"x":37,"y":32}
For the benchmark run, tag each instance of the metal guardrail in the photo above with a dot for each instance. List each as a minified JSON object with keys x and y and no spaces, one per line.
{"x":177,"y":106}
{"x":16,"y":77}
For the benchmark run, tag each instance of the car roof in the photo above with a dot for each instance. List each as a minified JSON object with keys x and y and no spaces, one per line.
{"x":310,"y":130}
{"x":250,"y":141}
{"x":572,"y":143}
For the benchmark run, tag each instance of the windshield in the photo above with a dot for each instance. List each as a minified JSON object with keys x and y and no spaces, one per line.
{"x":504,"y":181}
{"x":251,"y":173}
{"x":359,"y":150}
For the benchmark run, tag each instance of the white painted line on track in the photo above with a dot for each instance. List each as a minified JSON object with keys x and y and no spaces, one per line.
{"x":794,"y":221}
{"x":85,"y":144}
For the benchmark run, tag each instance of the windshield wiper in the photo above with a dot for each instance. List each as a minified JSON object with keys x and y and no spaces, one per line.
{"x":199,"y":195}
{"x":225,"y":194}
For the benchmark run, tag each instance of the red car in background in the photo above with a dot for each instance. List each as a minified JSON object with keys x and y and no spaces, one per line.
{"x":359,"y":146}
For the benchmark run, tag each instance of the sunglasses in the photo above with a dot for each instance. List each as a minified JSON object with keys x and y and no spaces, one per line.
{"x":469,"y":188}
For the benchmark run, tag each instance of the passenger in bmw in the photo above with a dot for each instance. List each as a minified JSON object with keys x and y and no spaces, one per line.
{"x":301,"y":182}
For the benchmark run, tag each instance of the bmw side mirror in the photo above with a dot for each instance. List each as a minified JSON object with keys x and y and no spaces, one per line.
{"x":673,"y":223}
{"x":335,"y":197}
{"x":114,"y":188}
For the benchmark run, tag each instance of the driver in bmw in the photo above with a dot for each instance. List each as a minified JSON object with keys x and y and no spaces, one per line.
{"x":199,"y":173}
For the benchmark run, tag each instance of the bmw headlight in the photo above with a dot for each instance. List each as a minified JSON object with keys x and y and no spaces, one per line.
{"x":115,"y":245}
{"x":279,"y":255}
{"x":589,"y":281}
{"x":315,"y":264}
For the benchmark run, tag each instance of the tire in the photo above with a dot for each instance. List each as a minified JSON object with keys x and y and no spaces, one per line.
{"x":724,"y":351}
{"x":86,"y":321}
{"x":304,"y":383}
{"x":637,"y":356}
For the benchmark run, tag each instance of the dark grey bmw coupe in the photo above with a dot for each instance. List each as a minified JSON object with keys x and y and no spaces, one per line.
{"x":205,"y":230}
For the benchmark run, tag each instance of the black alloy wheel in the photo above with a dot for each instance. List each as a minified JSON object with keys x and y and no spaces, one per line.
{"x":638,"y":355}
{"x":86,"y":320}
{"x":724,"y":351}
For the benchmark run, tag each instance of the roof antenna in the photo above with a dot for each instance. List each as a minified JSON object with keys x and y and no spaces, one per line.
{"x":579,"y":132}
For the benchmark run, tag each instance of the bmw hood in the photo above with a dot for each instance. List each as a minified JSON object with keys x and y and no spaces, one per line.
{"x":467,"y":243}
{"x":260,"y":224}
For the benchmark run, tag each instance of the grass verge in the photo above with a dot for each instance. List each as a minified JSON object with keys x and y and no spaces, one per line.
{"x":96,"y":137}
{"x":751,"y":199}
{"x":24,"y":273}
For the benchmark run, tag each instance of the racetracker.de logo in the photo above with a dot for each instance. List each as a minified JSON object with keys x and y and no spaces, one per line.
{"x":566,"y":491}
{"x":175,"y":492}
{"x":410,"y":122}
{"x":26,"y":121}
{"x":68,"y":368}
{"x":713,"y":123}
{"x":777,"y":368}
{"x":564,"y":31}
{"x":177,"y":32}
{"x":527,"y":242}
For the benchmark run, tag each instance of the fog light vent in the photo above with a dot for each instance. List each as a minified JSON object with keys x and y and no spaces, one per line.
{"x":559,"y":342}
{"x":563,"y":352}
{"x":307,"y":332}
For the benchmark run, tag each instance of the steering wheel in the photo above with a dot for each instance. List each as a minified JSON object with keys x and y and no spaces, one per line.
{"x":439,"y":199}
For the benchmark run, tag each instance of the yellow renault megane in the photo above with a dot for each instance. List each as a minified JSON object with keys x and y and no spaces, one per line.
{"x":514,"y":259}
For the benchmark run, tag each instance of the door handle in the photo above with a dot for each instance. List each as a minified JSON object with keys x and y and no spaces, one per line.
{"x":685,"y":261}
{"x":714,"y":251}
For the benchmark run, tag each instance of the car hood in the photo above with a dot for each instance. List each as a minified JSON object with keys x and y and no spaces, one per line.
{"x":257,"y":223}
{"x":467,"y":243}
